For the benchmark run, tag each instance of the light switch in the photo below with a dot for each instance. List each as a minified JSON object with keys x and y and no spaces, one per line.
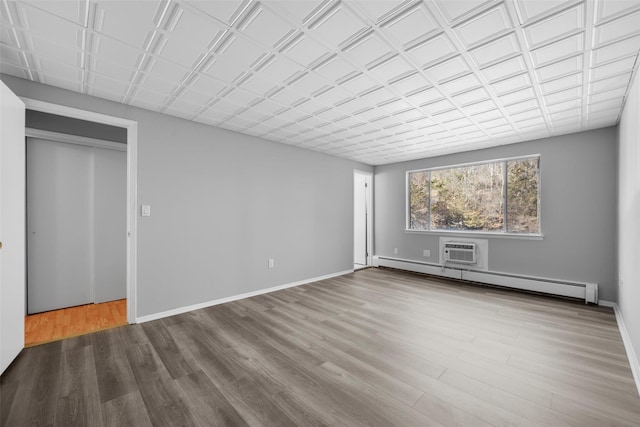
{"x":145,"y":210}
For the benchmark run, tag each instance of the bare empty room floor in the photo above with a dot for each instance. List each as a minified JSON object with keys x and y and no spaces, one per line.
{"x":376,"y":347}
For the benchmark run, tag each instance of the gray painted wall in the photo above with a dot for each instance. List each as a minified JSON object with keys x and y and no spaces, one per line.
{"x":578,"y":175}
{"x":222,"y":204}
{"x":629,"y":216}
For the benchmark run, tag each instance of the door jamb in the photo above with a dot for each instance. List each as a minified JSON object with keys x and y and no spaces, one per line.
{"x":369,"y":224}
{"x":132,"y":184}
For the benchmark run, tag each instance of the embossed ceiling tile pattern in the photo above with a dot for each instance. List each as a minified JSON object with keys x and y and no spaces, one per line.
{"x":190,"y":36}
{"x":187,"y":109}
{"x":605,"y":85}
{"x":410,"y":26}
{"x":561,"y":68}
{"x":232,"y":59}
{"x":168,"y":71}
{"x":335,"y":68}
{"x":57,"y":53}
{"x":557,"y":50}
{"x":130,"y":22}
{"x":10,"y":58}
{"x":448,"y":70}
{"x":149,"y":97}
{"x":368,"y":49}
{"x":265,"y":27}
{"x":471,"y":97}
{"x":496,"y":51}
{"x":337,"y":26}
{"x":572,"y":104}
{"x":531,"y":10}
{"x":391,"y":69}
{"x":617,"y":29}
{"x":114,"y":51}
{"x":488,"y":25}
{"x":561,"y":83}
{"x":424,"y":96}
{"x":158,"y":86}
{"x":505,"y":69}
{"x":305,"y":50}
{"x":609,"y":9}
{"x":511,"y":84}
{"x":378,"y":10}
{"x":620,"y":49}
{"x":563,"y":95}
{"x":459,"y":85}
{"x":111,"y":69}
{"x":60,"y":70}
{"x":432,"y":51}
{"x":610,"y":94}
{"x":63,"y":83}
{"x":455,"y":10}
{"x":105,"y":87}
{"x":359,"y":84}
{"x":556,"y":26}
{"x":278,"y":69}
{"x":613,"y":68}
{"x":409,"y":84}
{"x":226,"y":11}
{"x":374,"y":81}
{"x":479,"y":107}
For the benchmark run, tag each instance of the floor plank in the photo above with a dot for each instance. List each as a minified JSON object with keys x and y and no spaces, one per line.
{"x":377,"y":347}
{"x":70,"y":322}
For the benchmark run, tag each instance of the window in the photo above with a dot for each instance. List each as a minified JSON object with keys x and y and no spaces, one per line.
{"x":499,"y":196}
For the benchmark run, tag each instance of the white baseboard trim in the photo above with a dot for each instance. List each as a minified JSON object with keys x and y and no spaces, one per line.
{"x":628,"y":345}
{"x":180,"y":310}
{"x":607,"y":303}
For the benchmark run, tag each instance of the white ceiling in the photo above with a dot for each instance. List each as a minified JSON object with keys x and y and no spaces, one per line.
{"x":377,"y":81}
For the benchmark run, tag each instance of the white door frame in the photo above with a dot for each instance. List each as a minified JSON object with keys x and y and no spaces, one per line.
{"x":132,"y":183}
{"x":369,"y":195}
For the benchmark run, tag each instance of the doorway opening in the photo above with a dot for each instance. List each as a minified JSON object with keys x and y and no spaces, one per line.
{"x":76,"y":227}
{"x":131,"y":184}
{"x":362,"y":219}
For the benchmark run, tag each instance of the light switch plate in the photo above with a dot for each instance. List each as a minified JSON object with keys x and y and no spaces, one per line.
{"x":145,"y":210}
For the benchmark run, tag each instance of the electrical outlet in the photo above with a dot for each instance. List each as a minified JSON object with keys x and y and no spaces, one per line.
{"x":395,"y":251}
{"x":426,"y":253}
{"x":271,"y":263}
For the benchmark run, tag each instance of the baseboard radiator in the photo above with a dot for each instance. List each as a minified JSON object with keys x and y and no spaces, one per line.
{"x":586,"y":291}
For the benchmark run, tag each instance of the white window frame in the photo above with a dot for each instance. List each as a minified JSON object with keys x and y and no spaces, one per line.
{"x":504,"y":233}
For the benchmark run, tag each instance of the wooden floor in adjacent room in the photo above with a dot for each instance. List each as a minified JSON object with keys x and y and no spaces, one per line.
{"x":376,"y":347}
{"x":69,"y":322}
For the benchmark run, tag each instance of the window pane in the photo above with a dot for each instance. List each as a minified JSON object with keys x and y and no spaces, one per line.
{"x":419,"y":200}
{"x":468,"y":198}
{"x":523,"y":179}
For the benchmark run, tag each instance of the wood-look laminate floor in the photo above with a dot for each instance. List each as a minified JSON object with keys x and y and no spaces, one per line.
{"x":73,"y":321}
{"x":375,"y":348}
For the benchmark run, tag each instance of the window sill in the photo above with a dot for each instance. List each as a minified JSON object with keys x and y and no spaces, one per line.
{"x":478,"y":234}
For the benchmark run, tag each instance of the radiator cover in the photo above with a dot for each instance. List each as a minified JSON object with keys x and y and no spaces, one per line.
{"x":581,"y":290}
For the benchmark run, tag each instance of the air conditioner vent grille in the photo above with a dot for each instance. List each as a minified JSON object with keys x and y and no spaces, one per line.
{"x":460,"y":252}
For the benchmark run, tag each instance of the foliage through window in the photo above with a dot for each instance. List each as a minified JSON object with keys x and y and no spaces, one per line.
{"x":498,"y":196}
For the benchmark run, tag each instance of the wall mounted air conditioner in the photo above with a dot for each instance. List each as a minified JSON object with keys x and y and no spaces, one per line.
{"x":460,"y":252}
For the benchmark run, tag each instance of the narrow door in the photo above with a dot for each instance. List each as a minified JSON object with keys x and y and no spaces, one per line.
{"x":59,"y":225}
{"x":12,"y":227}
{"x":361,"y":223}
{"x":110,"y":224}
